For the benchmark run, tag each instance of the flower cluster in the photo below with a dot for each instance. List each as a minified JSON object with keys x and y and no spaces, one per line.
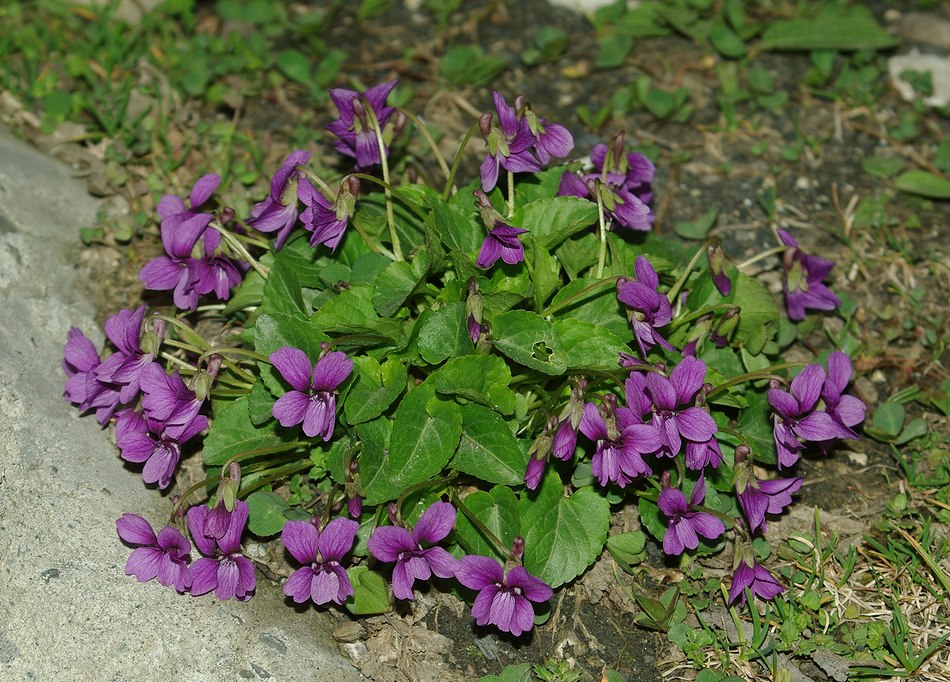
{"x":396,"y":365}
{"x":221,"y":566}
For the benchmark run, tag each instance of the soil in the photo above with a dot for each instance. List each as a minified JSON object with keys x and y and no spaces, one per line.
{"x":700,"y":166}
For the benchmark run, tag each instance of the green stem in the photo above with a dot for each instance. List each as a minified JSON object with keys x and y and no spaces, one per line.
{"x":674,"y":292}
{"x":511,"y":194}
{"x":481,"y":527}
{"x":765,"y":254}
{"x":384,"y":163}
{"x":239,"y":248}
{"x":230,"y":364}
{"x":280,"y":473}
{"x":752,"y":376}
{"x":570,"y":300}
{"x":696,"y":314}
{"x":386,"y":186}
{"x":424,"y":131}
{"x":457,"y":161}
{"x":602,"y":251}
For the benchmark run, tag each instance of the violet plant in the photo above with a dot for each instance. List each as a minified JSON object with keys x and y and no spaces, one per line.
{"x":415,"y":365}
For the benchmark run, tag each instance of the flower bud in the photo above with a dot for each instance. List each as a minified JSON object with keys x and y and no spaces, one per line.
{"x":517,"y":548}
{"x":716,"y":258}
{"x":484,"y":125}
{"x":355,"y":507}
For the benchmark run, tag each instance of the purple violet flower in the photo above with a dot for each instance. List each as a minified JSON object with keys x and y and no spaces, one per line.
{"x":279,"y":210}
{"x":759,"y":498}
{"x":762,"y":583}
{"x":803,"y":280}
{"x":649,"y":308}
{"x":355,"y":136}
{"x":322,"y":578}
{"x":677,"y":424}
{"x":168,"y":401}
{"x":142,"y":439}
{"x":181,"y":229}
{"x":502,"y":242}
{"x":552,"y":139}
{"x":222,"y":567}
{"x":124,"y":367}
{"x":325,"y":219}
{"x":847,"y":410}
{"x":504,"y":600}
{"x":83,"y":388}
{"x":621,"y":441}
{"x":796,"y":418}
{"x":394,"y":543}
{"x":313,"y":398}
{"x":686,"y":525}
{"x":164,"y":556}
{"x":622,"y":182}
{"x":509,"y":143}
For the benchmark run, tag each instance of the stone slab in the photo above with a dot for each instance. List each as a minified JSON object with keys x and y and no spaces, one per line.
{"x":67,"y":609}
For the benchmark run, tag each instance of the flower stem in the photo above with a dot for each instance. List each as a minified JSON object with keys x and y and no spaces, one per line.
{"x":761,"y":256}
{"x":239,"y":248}
{"x":511,"y":194}
{"x":752,"y":376}
{"x":479,"y":526}
{"x":384,"y":164}
{"x":457,"y":161}
{"x":696,"y":314}
{"x":602,"y":253}
{"x":424,"y":131}
{"x":570,"y":300}
{"x":674,"y":292}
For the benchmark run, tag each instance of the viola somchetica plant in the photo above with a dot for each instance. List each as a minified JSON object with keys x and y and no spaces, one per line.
{"x":456,"y":383}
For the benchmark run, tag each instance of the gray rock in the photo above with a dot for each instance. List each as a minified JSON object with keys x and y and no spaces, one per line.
{"x":67,"y":609}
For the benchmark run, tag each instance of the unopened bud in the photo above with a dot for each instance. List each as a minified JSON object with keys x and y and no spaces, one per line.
{"x":665,"y":479}
{"x":226,"y":215}
{"x":484,"y":125}
{"x":517,"y":548}
{"x":359,"y":111}
{"x":393,"y":514}
{"x":520,"y":103}
{"x":615,"y":159}
{"x":742,"y":451}
{"x":355,"y":507}
{"x":399,"y":122}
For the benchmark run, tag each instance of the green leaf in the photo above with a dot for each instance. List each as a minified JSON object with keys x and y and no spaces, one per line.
{"x":295,"y":65}
{"x":650,"y":518}
{"x":889,"y":418}
{"x":553,"y":220}
{"x":599,"y":306}
{"x":469,"y":65}
{"x":758,"y":315}
{"x":482,"y":379}
{"x":393,"y":286}
{"x":627,"y":549}
{"x":589,"y":346}
{"x":348,"y":312}
{"x":287,"y":329}
{"x":375,"y":471}
{"x":699,"y":228}
{"x":511,"y":673}
{"x":374,"y":389}
{"x":882,"y":166}
{"x":426,"y":432}
{"x":756,"y":426}
{"x":248,"y":293}
{"x":266,"y":513}
{"x":444,"y":334}
{"x":233,"y":433}
{"x":613,"y":50}
{"x":923,"y":183}
{"x":260,"y":403}
{"x":562,"y":535}
{"x":459,"y":229}
{"x":498,"y":511}
{"x":529,"y":339}
{"x":842,"y":33}
{"x":726,"y":42}
{"x":282,"y":290}
{"x":370,"y":594}
{"x":488,"y":449}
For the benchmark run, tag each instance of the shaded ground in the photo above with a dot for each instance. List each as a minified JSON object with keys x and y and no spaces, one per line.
{"x":797,"y":166}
